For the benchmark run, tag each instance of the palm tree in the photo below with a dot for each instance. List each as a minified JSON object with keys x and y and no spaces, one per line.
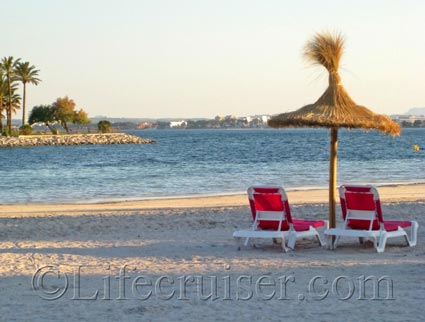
{"x":4,"y":99}
{"x":26,"y":73}
{"x":2,"y":94}
{"x":8,"y":65}
{"x":15,"y":103}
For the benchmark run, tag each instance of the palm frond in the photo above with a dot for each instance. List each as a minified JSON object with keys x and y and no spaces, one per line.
{"x":27,"y":73}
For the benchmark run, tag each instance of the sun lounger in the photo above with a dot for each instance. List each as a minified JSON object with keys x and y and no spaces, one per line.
{"x":272,"y":218}
{"x":363,"y":218}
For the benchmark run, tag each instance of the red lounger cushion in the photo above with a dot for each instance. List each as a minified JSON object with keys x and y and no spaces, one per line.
{"x":310,"y":222}
{"x":389,"y":225}
{"x":363,"y":201}
{"x":305,"y":224}
{"x":269,"y":202}
{"x":269,"y":199}
{"x":299,"y":224}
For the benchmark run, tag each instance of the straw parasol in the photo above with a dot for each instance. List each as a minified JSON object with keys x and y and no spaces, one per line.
{"x":334,"y":109}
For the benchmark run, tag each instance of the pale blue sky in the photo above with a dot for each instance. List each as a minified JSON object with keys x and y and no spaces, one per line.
{"x":201,"y":58}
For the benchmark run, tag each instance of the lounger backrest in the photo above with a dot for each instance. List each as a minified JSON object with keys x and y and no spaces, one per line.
{"x":361,"y":208}
{"x":258,"y":189}
{"x":269,"y":207}
{"x":282,"y":201}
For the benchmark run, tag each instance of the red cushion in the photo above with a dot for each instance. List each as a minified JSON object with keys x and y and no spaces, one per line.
{"x":271,"y":199}
{"x":265,"y":190}
{"x":310,"y":222}
{"x":272,"y":225}
{"x":269,"y":202}
{"x":389,"y":225}
{"x":359,"y":201}
{"x":362,"y":224}
{"x":357,"y":188}
{"x":299,"y":224}
{"x":305,"y":224}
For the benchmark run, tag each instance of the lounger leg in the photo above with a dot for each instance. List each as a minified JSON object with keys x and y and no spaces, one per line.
{"x":320,"y":240}
{"x":382,"y":241}
{"x":413,"y":234}
{"x":246,"y":241}
{"x":292,"y":238}
{"x":285,"y":249}
{"x":239,"y":243}
{"x":406,"y":238}
{"x":329,"y":242}
{"x":336,"y":241}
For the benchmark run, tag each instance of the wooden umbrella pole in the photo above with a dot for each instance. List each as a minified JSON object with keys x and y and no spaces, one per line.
{"x":332,"y":176}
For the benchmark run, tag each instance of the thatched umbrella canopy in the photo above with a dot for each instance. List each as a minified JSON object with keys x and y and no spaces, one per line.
{"x":335,"y":108}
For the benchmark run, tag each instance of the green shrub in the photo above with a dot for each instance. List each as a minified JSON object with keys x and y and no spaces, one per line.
{"x":25,"y":130}
{"x":104,"y":126}
{"x":6,"y":132}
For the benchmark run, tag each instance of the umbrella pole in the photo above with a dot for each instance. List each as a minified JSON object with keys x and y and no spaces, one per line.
{"x":332,"y":176}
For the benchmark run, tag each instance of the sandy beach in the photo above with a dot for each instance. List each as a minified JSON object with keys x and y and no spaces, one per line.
{"x":175,"y":259}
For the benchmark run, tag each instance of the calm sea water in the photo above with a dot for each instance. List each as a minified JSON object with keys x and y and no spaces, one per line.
{"x":206,"y":162}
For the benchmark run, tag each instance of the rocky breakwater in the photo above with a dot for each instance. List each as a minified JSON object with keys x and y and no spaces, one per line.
{"x":72,"y":139}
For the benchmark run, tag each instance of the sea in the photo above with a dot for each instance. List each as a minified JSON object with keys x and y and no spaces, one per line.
{"x":207,"y":162}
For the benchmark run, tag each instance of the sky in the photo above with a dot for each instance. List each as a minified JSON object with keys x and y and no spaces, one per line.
{"x":202,"y":58}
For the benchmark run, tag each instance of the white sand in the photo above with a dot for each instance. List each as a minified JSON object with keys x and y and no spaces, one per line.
{"x":167,"y":241}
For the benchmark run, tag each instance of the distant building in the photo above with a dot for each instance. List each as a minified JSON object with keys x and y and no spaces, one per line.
{"x":178,"y":124}
{"x":408,"y":118}
{"x":145,"y":125}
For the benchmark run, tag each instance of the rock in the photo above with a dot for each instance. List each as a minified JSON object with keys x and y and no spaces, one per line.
{"x":72,"y":139}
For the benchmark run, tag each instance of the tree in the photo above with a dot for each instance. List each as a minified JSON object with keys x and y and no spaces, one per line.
{"x":26,"y":73}
{"x":8,"y":65}
{"x":81,"y":117}
{"x":64,"y":112}
{"x":43,"y":114}
{"x":104,"y":126}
